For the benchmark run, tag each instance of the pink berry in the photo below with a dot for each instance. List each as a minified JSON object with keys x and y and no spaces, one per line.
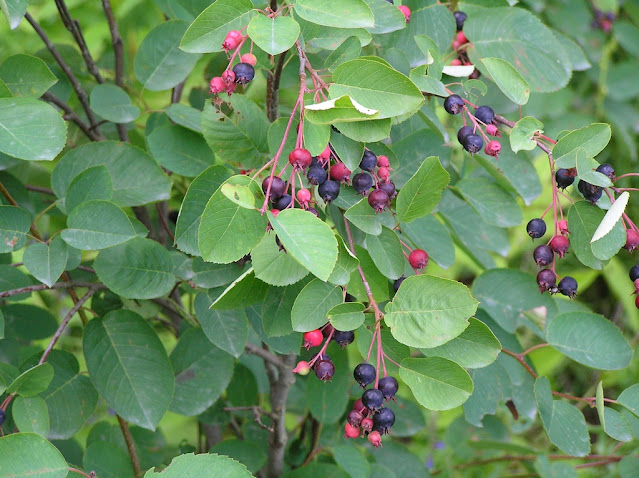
{"x":249,"y":58}
{"x":632,"y":240}
{"x":339,"y":172}
{"x":492,"y":130}
{"x":455,"y":45}
{"x":492,"y":148}
{"x":232,"y":40}
{"x":383,"y":174}
{"x":383,"y":162}
{"x":230,"y":88}
{"x":559,"y":245}
{"x":302,"y":368}
{"x":217,"y":85}
{"x":326,"y":154}
{"x":418,"y":259}
{"x":367,"y":424}
{"x":313,"y":338}
{"x":350,"y":431}
{"x":229,"y":77}
{"x":375,"y":438}
{"x":461,"y":38}
{"x":563,"y":227}
{"x":303,"y":196}
{"x":300,"y":158}
{"x":456,"y":62}
{"x":406,"y":11}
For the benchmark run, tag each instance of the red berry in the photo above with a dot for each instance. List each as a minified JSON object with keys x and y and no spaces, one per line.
{"x":232,"y":40}
{"x":249,"y":58}
{"x":230,"y":88}
{"x":367,"y":424}
{"x":456,"y":62}
{"x":383,"y":174}
{"x":350,"y":431}
{"x":313,"y":338}
{"x":304,"y":196}
{"x":326,"y":154}
{"x":375,"y":438}
{"x":560,"y":245}
{"x":461,"y":38}
{"x":229,"y":77}
{"x":359,"y":406}
{"x":563,"y":227}
{"x":339,"y":172}
{"x":383,"y":162}
{"x":637,"y":302}
{"x":492,"y":130}
{"x":275,"y":212}
{"x":406,"y":11}
{"x":632,"y":240}
{"x":492,"y":148}
{"x":418,"y":259}
{"x":302,"y":368}
{"x":327,"y":329}
{"x":378,"y":200}
{"x":217,"y":85}
{"x":300,"y":158}
{"x":455,"y":45}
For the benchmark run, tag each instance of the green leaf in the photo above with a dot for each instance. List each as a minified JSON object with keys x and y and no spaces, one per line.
{"x":364,"y":217}
{"x":137,"y":269}
{"x":29,"y":322}
{"x":308,"y":239}
{"x":378,"y":283}
{"x":345,"y":265}
{"x":197,"y":466}
{"x":312,"y":305}
{"x":92,"y":183}
{"x":202,"y":371}
{"x":436,"y":383}
{"x":12,"y":278}
{"x":586,"y":170}
{"x":193,"y":206}
{"x":316,"y":137}
{"x":423,"y":191}
{"x":376,"y":85}
{"x":95,"y":225}
{"x":386,"y":252}
{"x":180,"y":150}
{"x":159,"y":63}
{"x":32,"y":382}
{"x":228,"y":231}
{"x":475,"y":347}
{"x":348,"y":50}
{"x":349,"y":151}
{"x":244,"y":291}
{"x":336,"y":13}
{"x":589,"y":339}
{"x":508,"y":79}
{"x":327,"y":401}
{"x":564,"y":424}
{"x":431,"y":235}
{"x":428,"y":84}
{"x":227,"y":329}
{"x":518,"y":37}
{"x":612,"y":217}
{"x":428,"y":320}
{"x":31,"y":415}
{"x":273,"y":35}
{"x":521,"y":136}
{"x":353,"y":460}
{"x":207,"y":33}
{"x":273,"y":266}
{"x":277,"y":309}
{"x":46,"y":262}
{"x":616,"y":426}
{"x":629,"y":398}
{"x":107,"y":460}
{"x":247,"y":452}
{"x":14,"y":10}
{"x":31,"y":129}
{"x":186,"y":116}
{"x":113,"y":104}
{"x":137,"y":179}
{"x":26,"y":75}
{"x":367,"y":131}
{"x":388,"y":18}
{"x":494,"y":205}
{"x":346,"y":316}
{"x":134,"y":377}
{"x":592,"y":139}
{"x":15,"y":223}
{"x":583,"y":220}
{"x":39,"y":458}
{"x":338,"y":111}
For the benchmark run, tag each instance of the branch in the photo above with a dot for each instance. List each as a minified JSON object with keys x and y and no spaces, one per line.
{"x":272,"y":88}
{"x":266,"y":355}
{"x":57,"y":285}
{"x":124,"y":426}
{"x":257,"y":415}
{"x":71,"y":115}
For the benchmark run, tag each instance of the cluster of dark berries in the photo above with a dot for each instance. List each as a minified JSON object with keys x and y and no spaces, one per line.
{"x":483,"y":123}
{"x":369,"y":416}
{"x":240,"y":74}
{"x":321,"y":363}
{"x":590,"y":192}
{"x":602,"y":21}
{"x":404,"y":9}
{"x":459,"y":44}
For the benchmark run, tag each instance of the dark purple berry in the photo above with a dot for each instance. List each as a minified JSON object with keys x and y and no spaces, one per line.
{"x":564,"y":177}
{"x":607,"y":170}
{"x":364,"y":374}
{"x":453,"y":104}
{"x":312,"y":210}
{"x":362,"y":182}
{"x":536,"y":228}
{"x":283,"y":202}
{"x":473,"y":143}
{"x":384,"y":420}
{"x":378,"y":200}
{"x":329,"y":190}
{"x":316,"y":175}
{"x":388,"y":386}
{"x":634,"y":273}
{"x":543,"y":255}
{"x":344,"y":338}
{"x":355,"y":418}
{"x":398,"y":282}
{"x":546,"y":280}
{"x":324,"y":370}
{"x":591,"y":192}
{"x":2,"y":416}
{"x":460,"y":18}
{"x":463,"y":132}
{"x":485,"y":114}
{"x":278,"y":187}
{"x":244,"y":73}
{"x":373,"y":399}
{"x":568,"y":286}
{"x":389,"y":188}
{"x":369,"y":161}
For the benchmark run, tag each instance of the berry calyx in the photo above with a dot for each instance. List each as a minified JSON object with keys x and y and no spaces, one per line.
{"x":418,"y":259}
{"x":375,"y":438}
{"x":632,"y":240}
{"x":316,"y":175}
{"x":217,"y":85}
{"x":283,"y":202}
{"x":485,"y":114}
{"x":384,"y":420}
{"x":472,"y":143}
{"x":543,"y":255}
{"x":350,"y":431}
{"x":324,"y":370}
{"x":304,"y":197}
{"x":300,"y":158}
{"x":388,"y":386}
{"x":463,"y":132}
{"x":460,"y":18}
{"x":355,"y":418}
{"x":591,"y":192}
{"x":568,"y":286}
{"x":493,"y":148}
{"x":313,"y":338}
{"x":546,"y":280}
{"x":634,"y":273}
{"x":244,"y":73}
{"x":373,"y":399}
{"x":302,"y":368}
{"x":364,"y":374}
{"x":383,"y":162}
{"x":278,"y":187}
{"x":491,"y":130}
{"x":560,"y":245}
{"x":369,"y":161}
{"x":536,"y":228}
{"x":378,"y":200}
{"x":383,"y":174}
{"x":339,"y":172}
{"x":228,"y":77}
{"x":362,"y":182}
{"x":607,"y":170}
{"x":344,"y":337}
{"x":232,"y":40}
{"x":328,"y":190}
{"x":249,"y":58}
{"x":367,"y":424}
{"x":406,"y":11}
{"x":453,"y":104}
{"x":565,"y":177}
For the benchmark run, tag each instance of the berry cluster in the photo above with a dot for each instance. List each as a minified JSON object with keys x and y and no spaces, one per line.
{"x":459,"y":45}
{"x":483,"y":122}
{"x":321,"y":363}
{"x":602,"y":21}
{"x":369,"y":416}
{"x":240,"y":74}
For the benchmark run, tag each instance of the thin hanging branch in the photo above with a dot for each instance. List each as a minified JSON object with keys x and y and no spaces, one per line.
{"x":71,"y":115}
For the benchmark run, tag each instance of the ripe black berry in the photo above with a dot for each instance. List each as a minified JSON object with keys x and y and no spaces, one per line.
{"x":536,"y":228}
{"x":278,"y":187}
{"x":389,"y":188}
{"x":244,"y":73}
{"x":328,"y":190}
{"x":364,"y":374}
{"x":362,"y":182}
{"x":378,"y":200}
{"x":546,"y":280}
{"x":344,"y":338}
{"x":607,"y":170}
{"x":485,"y":114}
{"x":453,"y":104}
{"x":591,"y":192}
{"x":543,"y":255}
{"x":2,"y":416}
{"x":634,"y":273}
{"x":568,"y":286}
{"x":564,"y":177}
{"x":324,"y":370}
{"x":388,"y":387}
{"x":398,"y":282}
{"x":369,"y":161}
{"x":463,"y":132}
{"x":384,"y":420}
{"x":316,"y":175}
{"x":473,"y":143}
{"x":373,"y":399}
{"x":282,"y":202}
{"x":460,"y":18}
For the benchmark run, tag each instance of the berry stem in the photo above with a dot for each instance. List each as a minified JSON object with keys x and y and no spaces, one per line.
{"x":385,"y":355}
{"x":370,"y":349}
{"x":627,"y":175}
{"x":323,"y":349}
{"x":534,"y":347}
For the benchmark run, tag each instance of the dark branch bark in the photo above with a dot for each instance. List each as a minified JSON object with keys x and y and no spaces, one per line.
{"x":273,"y":86}
{"x":176,"y":93}
{"x":71,"y":115}
{"x":267,"y":356}
{"x":128,"y":438}
{"x":57,"y":285}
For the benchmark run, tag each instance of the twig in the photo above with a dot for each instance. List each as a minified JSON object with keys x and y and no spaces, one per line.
{"x":162,"y":208}
{"x":257,"y":415}
{"x":71,"y":115}
{"x":80,"y":472}
{"x":124,"y":426}
{"x":39,"y":189}
{"x":272,"y":88}
{"x":38,"y":287}
{"x":266,"y":355}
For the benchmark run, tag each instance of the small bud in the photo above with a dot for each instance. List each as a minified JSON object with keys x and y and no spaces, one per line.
{"x":232,"y":40}
{"x":491,"y":130}
{"x":375,"y":438}
{"x":456,"y":62}
{"x":563,"y":227}
{"x":492,"y":148}
{"x":326,"y":154}
{"x":383,"y":174}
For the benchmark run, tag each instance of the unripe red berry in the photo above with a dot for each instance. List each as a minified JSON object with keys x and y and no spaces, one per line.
{"x":232,"y":40}
{"x":304,"y":196}
{"x":367,"y":424}
{"x":383,"y":174}
{"x":359,"y":406}
{"x":563,"y":227}
{"x":418,"y":259}
{"x":350,"y":431}
{"x":217,"y":85}
{"x":632,"y":240}
{"x":339,"y":172}
{"x":230,"y":88}
{"x":492,"y":130}
{"x":302,"y":368}
{"x":461,"y":38}
{"x":383,"y":162}
{"x":300,"y":158}
{"x":275,"y":212}
{"x":492,"y":148}
{"x":313,"y":338}
{"x":249,"y":58}
{"x":455,"y":45}
{"x":456,"y":62}
{"x":637,"y":302}
{"x":229,"y":77}
{"x":406,"y":11}
{"x":375,"y":438}
{"x":328,"y":328}
{"x":560,"y":245}
{"x":326,"y":154}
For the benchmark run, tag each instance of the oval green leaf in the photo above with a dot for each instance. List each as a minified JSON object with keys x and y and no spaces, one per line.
{"x":26,"y":75}
{"x":31,"y":415}
{"x":422,"y":192}
{"x":113,"y":104}
{"x":15,"y":223}
{"x":311,"y":306}
{"x":39,"y":458}
{"x":200,"y":465}
{"x":46,"y":262}
{"x":273,"y":35}
{"x":32,"y":382}
{"x":336,"y":13}
{"x":508,"y":79}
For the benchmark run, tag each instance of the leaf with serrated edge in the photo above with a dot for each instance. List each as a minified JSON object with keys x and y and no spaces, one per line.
{"x":201,"y":465}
